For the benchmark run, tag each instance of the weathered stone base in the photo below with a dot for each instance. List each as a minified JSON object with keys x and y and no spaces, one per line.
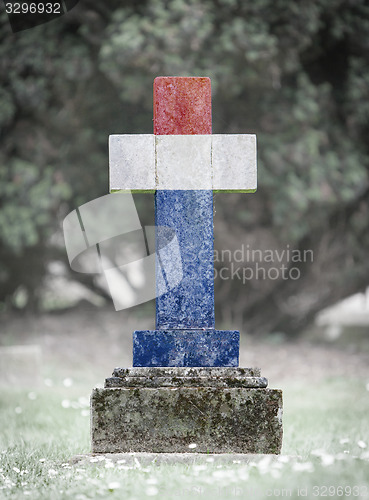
{"x":221,"y":414}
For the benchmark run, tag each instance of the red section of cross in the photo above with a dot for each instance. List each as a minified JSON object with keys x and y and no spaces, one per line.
{"x":182,"y":105}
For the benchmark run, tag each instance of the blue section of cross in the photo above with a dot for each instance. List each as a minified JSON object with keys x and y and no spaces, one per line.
{"x":191,"y":303}
{"x":185,"y":334}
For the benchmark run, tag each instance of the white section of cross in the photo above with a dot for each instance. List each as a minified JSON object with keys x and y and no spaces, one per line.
{"x":146,"y":162}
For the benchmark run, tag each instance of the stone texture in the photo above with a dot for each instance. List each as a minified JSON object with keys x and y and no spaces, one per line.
{"x":168,"y":420}
{"x":189,"y":377}
{"x":145,"y":162}
{"x":182,"y":105}
{"x":234,"y":162}
{"x":174,"y":371}
{"x":183,"y":162}
{"x":132,"y":162}
{"x":186,"y":348}
{"x":250,"y":382}
{"x":191,"y":303}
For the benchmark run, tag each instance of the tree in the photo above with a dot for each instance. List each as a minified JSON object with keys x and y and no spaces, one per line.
{"x":295,"y":74}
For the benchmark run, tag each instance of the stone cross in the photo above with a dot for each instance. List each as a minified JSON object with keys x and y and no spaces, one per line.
{"x":183,"y":163}
{"x":185,"y":390}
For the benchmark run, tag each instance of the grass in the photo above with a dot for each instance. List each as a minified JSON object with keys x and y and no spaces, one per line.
{"x":325,"y":451}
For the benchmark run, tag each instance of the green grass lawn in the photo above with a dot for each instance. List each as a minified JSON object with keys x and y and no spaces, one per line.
{"x":325,"y":451}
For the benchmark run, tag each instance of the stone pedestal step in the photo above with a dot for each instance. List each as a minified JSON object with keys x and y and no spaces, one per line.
{"x":186,"y":377}
{"x":251,"y":382}
{"x":175,"y":371}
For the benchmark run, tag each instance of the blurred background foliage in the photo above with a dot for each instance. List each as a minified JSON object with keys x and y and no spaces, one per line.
{"x":294,"y":73}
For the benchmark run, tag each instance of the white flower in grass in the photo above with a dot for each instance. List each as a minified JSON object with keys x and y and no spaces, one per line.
{"x":303,"y":467}
{"x":344,"y":440}
{"x":341,"y":456}
{"x":26,"y":492}
{"x":18,"y":410}
{"x":114,"y":485}
{"x":94,"y":459}
{"x":8,"y":483}
{"x":318,"y":453}
{"x":264,"y":464}
{"x":199,"y":467}
{"x":327,"y":460}
{"x":52,"y":472}
{"x":192,"y":446}
{"x":121,"y":461}
{"x":275,"y":473}
{"x":67,"y":382}
{"x":84,"y":402}
{"x":124,"y":467}
{"x":210,"y":459}
{"x":42,"y":460}
{"x":85,"y":413}
{"x":152,"y":480}
{"x":15,"y":469}
{"x":277,"y":465}
{"x":152,"y":491}
{"x":361,"y":444}
{"x":219,"y":474}
{"x":109,"y":465}
{"x":65,"y":403}
{"x":243,"y":474}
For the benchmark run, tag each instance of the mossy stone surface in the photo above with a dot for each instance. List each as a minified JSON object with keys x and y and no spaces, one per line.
{"x":168,"y":420}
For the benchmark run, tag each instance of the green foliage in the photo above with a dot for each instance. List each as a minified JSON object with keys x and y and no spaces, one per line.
{"x":31,"y":198}
{"x":294,"y":73}
{"x":262,"y":61}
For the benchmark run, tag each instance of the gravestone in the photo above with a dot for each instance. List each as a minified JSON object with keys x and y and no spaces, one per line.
{"x":185,"y":390}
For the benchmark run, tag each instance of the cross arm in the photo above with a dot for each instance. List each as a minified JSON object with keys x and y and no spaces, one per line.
{"x":147,"y":162}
